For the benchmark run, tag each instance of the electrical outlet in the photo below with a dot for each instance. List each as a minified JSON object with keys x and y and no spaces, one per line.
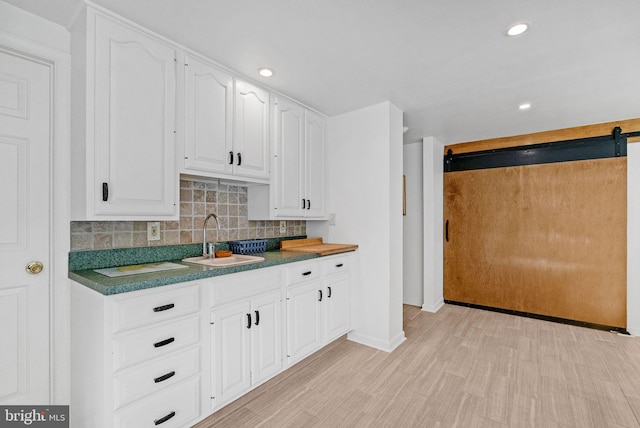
{"x":332,"y":219}
{"x":153,"y":231}
{"x":283,"y":226}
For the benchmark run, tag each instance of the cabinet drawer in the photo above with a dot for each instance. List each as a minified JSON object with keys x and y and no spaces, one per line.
{"x":336,"y":265}
{"x":173,"y":407}
{"x":154,"y":307}
{"x":303,"y":272}
{"x":152,"y":342}
{"x":149,"y":378}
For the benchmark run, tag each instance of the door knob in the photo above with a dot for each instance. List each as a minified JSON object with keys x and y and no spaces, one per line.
{"x":34,"y":267}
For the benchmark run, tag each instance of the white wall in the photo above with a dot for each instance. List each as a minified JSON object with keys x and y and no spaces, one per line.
{"x":633,"y":238}
{"x":50,"y":42}
{"x":365,"y":193}
{"x":412,"y":229}
{"x":433,"y":154}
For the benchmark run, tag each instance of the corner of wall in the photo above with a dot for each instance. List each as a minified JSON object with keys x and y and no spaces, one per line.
{"x":433,"y":183}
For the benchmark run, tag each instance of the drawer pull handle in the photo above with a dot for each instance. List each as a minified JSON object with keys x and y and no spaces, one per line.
{"x":164,"y":419}
{"x":230,"y":158}
{"x":105,"y":192}
{"x":339,"y":265}
{"x":320,"y":299}
{"x":164,"y":342}
{"x":164,"y":307}
{"x":248,"y":320}
{"x":257,"y":317}
{"x":306,"y":273}
{"x":164,"y":377}
{"x":239,"y":159}
{"x":329,"y":294}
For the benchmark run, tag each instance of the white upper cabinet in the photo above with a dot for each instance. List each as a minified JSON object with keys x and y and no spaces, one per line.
{"x":289,"y":179}
{"x":314,"y":178}
{"x":123,"y":130}
{"x":298,"y":183}
{"x":213,"y":146}
{"x":208,"y":118}
{"x":251,"y":139}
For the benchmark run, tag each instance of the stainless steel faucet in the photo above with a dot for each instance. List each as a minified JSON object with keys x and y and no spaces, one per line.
{"x":209,"y":248}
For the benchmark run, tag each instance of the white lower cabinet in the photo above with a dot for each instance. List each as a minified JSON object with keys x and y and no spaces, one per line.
{"x":136,"y":357}
{"x":317,"y":305}
{"x":246,"y":336}
{"x":304,"y":320}
{"x":139,"y":358}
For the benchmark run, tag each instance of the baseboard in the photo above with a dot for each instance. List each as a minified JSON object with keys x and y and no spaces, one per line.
{"x":433,"y":308}
{"x":634,"y":331}
{"x":386,"y":346}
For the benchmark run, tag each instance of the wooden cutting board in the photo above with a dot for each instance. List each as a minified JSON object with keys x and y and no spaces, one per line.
{"x":315,"y":245}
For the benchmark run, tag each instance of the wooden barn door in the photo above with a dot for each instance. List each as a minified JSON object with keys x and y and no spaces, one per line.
{"x":547,"y":239}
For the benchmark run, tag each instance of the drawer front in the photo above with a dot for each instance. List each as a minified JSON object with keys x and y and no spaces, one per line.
{"x":178,"y":406}
{"x":243,"y":285}
{"x":154,"y":306}
{"x":152,"y":342}
{"x":336,"y":265}
{"x":149,"y":378}
{"x":302,"y":272}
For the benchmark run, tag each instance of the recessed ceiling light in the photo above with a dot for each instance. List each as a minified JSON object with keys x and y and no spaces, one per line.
{"x":524,"y":106}
{"x":517,"y":29}
{"x":266,"y":72}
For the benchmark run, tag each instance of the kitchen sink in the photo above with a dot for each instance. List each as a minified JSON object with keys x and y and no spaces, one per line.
{"x":233,"y":260}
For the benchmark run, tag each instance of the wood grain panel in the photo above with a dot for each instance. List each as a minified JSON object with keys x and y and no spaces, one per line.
{"x":630,"y":125}
{"x":546,"y":239}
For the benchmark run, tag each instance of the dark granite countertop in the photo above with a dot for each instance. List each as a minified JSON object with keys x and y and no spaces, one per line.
{"x":109,"y":286}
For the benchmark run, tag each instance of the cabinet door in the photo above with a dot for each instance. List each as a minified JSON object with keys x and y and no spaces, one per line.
{"x":208,"y":118}
{"x":266,"y":336}
{"x":230,"y":349}
{"x":251,"y":139}
{"x":135,"y":79}
{"x":336,"y":306}
{"x":304,"y":318}
{"x":289,"y":135}
{"x":315,"y":130}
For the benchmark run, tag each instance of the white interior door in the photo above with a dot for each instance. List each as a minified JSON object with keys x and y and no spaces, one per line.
{"x":25,"y":141}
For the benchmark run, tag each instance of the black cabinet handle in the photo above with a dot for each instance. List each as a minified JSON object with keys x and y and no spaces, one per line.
{"x":306,"y":273}
{"x":248,"y":320}
{"x":308,"y":204}
{"x":329,"y":294}
{"x":257,"y":317}
{"x":164,"y":377}
{"x":239,"y":159}
{"x":230,"y":158}
{"x":339,"y":265}
{"x":320,"y":298}
{"x":164,"y":419}
{"x":446,"y":231}
{"x":105,"y":192}
{"x":164,"y":342}
{"x":304,"y":204}
{"x":164,"y":307}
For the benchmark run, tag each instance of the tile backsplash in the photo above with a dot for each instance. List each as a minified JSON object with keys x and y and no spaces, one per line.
{"x":197,"y":199}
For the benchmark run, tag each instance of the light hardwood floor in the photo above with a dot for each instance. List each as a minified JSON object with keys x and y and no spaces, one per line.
{"x":459,"y":367}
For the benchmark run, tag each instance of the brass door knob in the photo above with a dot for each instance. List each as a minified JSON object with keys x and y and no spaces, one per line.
{"x":34,"y":267}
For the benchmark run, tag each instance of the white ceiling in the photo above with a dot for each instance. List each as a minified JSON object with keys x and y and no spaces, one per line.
{"x":445,"y":64}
